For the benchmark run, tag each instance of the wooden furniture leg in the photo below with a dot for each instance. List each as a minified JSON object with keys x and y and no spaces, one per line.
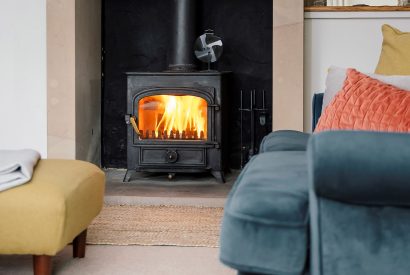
{"x":79,"y":245}
{"x":41,"y":265}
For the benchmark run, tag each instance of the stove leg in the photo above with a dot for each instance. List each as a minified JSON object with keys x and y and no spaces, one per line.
{"x":219,"y":175}
{"x":127,"y":176}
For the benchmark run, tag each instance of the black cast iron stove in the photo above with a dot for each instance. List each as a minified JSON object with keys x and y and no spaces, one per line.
{"x":177,"y":118}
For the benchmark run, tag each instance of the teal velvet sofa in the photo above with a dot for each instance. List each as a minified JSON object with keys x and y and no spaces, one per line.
{"x":333,"y":203}
{"x":359,"y":198}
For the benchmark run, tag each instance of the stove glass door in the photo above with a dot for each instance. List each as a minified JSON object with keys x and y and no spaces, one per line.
{"x":173,"y":117}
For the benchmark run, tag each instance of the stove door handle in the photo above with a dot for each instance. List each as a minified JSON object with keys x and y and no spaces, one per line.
{"x":130,"y":119}
{"x":127,"y":118}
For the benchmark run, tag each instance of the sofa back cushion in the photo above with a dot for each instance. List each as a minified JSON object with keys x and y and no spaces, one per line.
{"x":395,"y":54}
{"x":365,"y":103}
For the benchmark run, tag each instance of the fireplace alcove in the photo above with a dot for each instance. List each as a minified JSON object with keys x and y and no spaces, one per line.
{"x":135,"y":42}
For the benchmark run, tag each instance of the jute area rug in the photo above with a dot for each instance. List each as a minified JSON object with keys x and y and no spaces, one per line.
{"x":156,"y":225}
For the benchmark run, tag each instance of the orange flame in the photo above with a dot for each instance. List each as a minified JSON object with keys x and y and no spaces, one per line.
{"x":177,"y":113}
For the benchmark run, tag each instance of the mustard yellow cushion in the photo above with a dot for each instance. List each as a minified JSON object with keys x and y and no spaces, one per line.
{"x":395,"y":55}
{"x":44,"y":215}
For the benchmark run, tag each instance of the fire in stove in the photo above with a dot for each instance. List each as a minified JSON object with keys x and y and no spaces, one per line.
{"x":177,"y":117}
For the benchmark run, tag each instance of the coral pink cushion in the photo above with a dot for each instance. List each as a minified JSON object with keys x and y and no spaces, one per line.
{"x":365,"y":103}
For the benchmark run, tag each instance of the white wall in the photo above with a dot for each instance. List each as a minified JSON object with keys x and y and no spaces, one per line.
{"x":23,"y":91}
{"x":344,"y":39}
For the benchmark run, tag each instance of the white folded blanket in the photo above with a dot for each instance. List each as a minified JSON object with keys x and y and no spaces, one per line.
{"x":16,"y":167}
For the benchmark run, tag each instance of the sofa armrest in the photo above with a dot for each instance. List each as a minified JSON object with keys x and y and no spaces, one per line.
{"x":369,"y":168}
{"x":284,"y":140}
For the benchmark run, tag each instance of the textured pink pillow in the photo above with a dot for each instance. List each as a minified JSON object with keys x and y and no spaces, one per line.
{"x":365,"y":103}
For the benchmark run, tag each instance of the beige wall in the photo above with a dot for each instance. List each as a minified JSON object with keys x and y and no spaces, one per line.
{"x":88,"y":79}
{"x":287,"y":87}
{"x":74,"y":79}
{"x":61,"y":79}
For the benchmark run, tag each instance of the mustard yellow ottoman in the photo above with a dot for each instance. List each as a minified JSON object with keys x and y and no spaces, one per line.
{"x":55,"y":208}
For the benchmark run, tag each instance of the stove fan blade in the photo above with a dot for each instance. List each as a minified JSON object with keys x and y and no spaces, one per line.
{"x":208,"y":47}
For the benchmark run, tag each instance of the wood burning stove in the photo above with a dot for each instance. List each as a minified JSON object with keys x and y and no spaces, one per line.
{"x":180,"y":119}
{"x":176,"y":119}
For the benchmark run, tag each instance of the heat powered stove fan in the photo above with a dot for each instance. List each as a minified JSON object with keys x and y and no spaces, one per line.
{"x":208,"y":48}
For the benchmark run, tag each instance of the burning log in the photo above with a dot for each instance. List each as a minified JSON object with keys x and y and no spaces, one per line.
{"x":187,"y":134}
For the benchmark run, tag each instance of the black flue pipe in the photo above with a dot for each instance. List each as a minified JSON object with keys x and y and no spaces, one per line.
{"x":181,"y":57}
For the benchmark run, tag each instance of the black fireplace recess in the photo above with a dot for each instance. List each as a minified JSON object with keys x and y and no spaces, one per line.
{"x":137,"y":37}
{"x":177,"y":118}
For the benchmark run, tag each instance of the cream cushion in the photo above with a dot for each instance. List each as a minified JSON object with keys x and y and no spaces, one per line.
{"x":336,"y":77}
{"x":47,"y":213}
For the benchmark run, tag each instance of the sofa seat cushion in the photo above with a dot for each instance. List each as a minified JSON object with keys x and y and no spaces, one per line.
{"x":284,"y":140}
{"x":264,"y":229}
{"x":44,"y":215}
